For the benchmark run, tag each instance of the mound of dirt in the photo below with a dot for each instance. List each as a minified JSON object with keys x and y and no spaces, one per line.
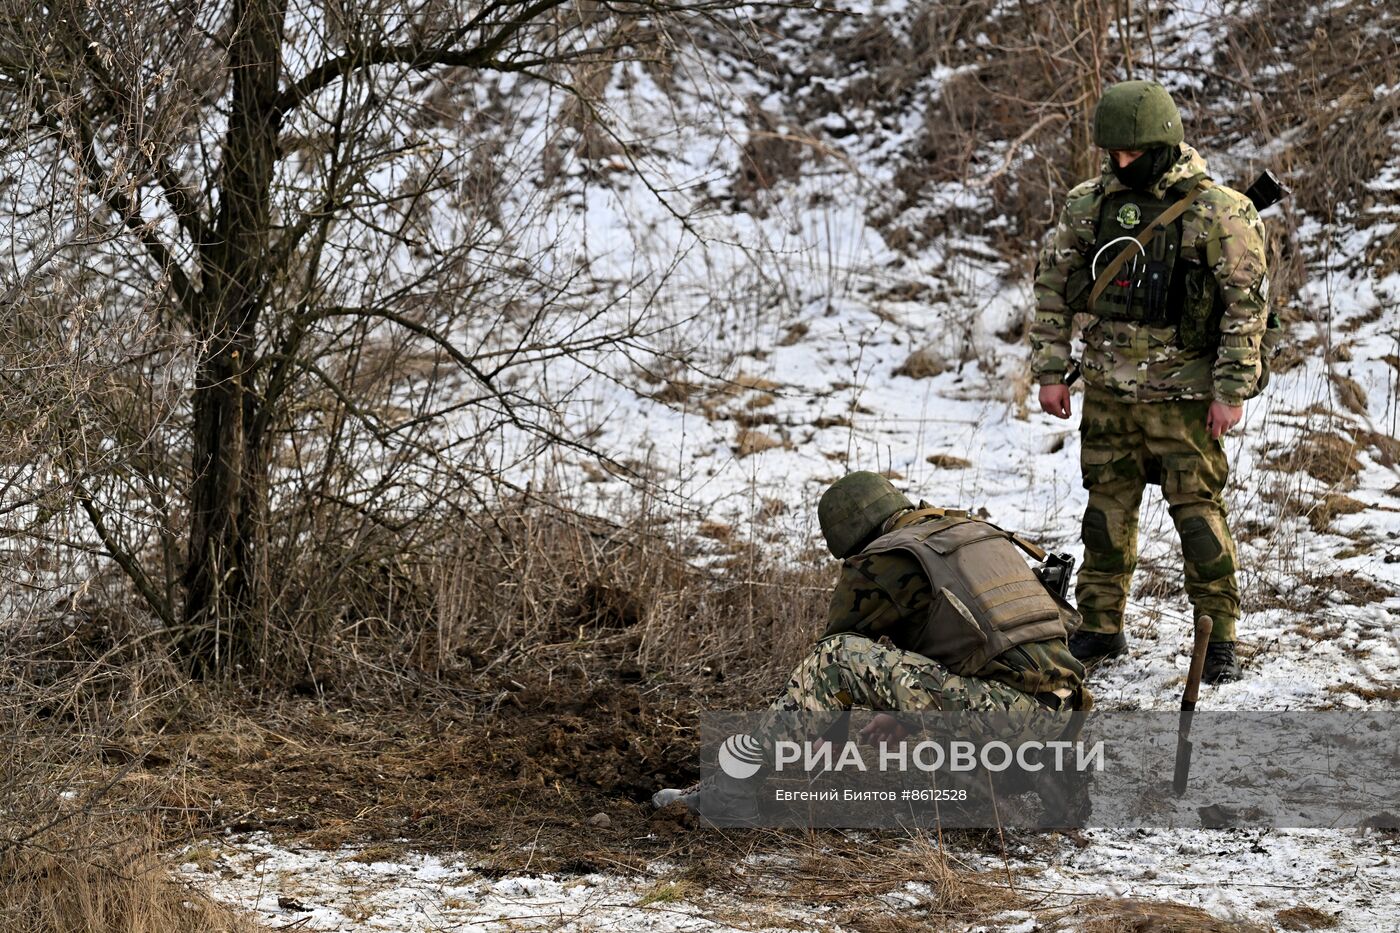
{"x":519,"y":769}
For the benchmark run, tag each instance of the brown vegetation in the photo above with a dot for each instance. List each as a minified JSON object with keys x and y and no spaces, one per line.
{"x":1141,"y":916}
{"x":546,"y":664}
{"x":222,"y":451}
{"x":110,"y":879}
{"x":1325,"y":456}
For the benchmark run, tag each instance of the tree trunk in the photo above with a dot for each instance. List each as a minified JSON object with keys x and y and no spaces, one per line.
{"x":230,"y":472}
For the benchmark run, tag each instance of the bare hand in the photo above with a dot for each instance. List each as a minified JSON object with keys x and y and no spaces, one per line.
{"x":1054,"y":400}
{"x":883,"y":729}
{"x":1222,"y":418}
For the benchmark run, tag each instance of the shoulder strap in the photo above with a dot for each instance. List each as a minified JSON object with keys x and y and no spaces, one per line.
{"x":1167,"y":216}
{"x":1034,"y":550}
{"x":905,"y":519}
{"x":919,"y":514}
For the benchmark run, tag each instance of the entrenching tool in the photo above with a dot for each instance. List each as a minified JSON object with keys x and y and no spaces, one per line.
{"x":1188,"y":705}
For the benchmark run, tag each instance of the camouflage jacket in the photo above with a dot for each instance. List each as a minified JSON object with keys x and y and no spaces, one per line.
{"x":888,"y":595}
{"x":1144,"y":363}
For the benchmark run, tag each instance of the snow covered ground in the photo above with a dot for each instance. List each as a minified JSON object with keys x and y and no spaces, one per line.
{"x":1352,"y":878}
{"x":345,"y":891}
{"x":797,"y":329}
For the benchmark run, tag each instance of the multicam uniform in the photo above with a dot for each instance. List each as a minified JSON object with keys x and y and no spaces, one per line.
{"x":852,"y":672}
{"x":1150,"y":382}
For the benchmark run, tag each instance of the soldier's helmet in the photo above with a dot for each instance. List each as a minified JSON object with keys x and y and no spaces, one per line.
{"x":1137,"y":115}
{"x":854,"y":508}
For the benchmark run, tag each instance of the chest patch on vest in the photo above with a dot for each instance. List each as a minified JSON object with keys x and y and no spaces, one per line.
{"x":1129,"y":216}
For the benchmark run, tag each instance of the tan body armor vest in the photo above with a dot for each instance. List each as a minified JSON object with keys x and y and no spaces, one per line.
{"x":987,"y":600}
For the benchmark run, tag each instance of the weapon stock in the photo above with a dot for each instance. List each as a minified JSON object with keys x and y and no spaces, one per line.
{"x":1266,"y":191}
{"x":1057,"y":573}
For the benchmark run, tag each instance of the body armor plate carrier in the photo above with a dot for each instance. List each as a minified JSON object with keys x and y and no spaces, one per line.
{"x":1156,"y":287}
{"x":988,"y":600}
{"x":1149,"y":288}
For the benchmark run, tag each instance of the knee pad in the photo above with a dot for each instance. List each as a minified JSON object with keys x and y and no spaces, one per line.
{"x":1095,"y":533}
{"x":1198,"y":541}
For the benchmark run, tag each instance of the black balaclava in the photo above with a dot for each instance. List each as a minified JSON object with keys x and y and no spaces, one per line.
{"x":1144,"y":171}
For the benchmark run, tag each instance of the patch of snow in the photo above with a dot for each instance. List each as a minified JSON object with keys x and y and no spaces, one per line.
{"x":1235,"y":875}
{"x":335,"y":891}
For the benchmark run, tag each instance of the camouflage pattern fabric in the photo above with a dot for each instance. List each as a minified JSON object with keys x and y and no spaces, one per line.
{"x":1119,"y":442}
{"x":851,"y":671}
{"x":888,"y":595}
{"x":1143,"y":363}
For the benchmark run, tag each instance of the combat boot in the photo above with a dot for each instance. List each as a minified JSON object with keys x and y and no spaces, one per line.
{"x":718,"y":799}
{"x":1221,"y":666}
{"x":1091,"y":648}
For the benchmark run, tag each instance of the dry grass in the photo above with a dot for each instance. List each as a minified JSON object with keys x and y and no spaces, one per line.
{"x":1389,"y":694}
{"x":1332,"y":505}
{"x":1325,"y":456}
{"x":564,"y":657}
{"x":1305,"y":917}
{"x":542,"y":584}
{"x":948,"y":461}
{"x":1141,"y":916}
{"x":854,"y":875}
{"x":560,"y":678}
{"x":109,"y":879}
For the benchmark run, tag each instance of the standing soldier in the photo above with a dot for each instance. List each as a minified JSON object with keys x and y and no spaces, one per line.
{"x":1172,"y":268}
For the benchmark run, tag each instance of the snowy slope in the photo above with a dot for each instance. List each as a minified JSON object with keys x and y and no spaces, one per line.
{"x":781,"y":323}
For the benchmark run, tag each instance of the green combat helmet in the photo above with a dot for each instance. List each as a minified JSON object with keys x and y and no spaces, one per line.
{"x":854,"y":508}
{"x":1137,"y":115}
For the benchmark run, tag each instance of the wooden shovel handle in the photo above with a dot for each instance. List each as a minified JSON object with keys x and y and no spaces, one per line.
{"x":1198,"y":662}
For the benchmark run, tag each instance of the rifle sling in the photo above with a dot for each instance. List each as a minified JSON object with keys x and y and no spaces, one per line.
{"x":1167,"y":216}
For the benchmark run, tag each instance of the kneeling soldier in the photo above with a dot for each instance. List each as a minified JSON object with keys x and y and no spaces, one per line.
{"x":962,"y":623}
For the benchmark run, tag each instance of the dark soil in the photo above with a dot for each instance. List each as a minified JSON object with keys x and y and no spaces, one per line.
{"x":512,"y":767}
{"x":520,"y":781}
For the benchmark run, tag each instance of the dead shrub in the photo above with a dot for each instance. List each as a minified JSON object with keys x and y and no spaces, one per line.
{"x":1332,"y":505}
{"x":538,"y":575}
{"x":109,"y":879}
{"x":1328,"y":457}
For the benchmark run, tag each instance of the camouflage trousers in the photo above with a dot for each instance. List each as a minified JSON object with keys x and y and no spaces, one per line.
{"x":1123,"y":446}
{"x":851,"y":671}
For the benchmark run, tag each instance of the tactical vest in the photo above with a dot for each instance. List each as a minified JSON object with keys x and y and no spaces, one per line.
{"x":1156,"y":287}
{"x":986,"y":598}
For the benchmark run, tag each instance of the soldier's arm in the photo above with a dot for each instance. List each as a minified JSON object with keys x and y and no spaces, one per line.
{"x":1060,"y":258}
{"x":865,"y":601}
{"x":1234,"y":250}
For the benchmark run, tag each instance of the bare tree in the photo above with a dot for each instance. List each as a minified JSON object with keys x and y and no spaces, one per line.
{"x":299,"y":232}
